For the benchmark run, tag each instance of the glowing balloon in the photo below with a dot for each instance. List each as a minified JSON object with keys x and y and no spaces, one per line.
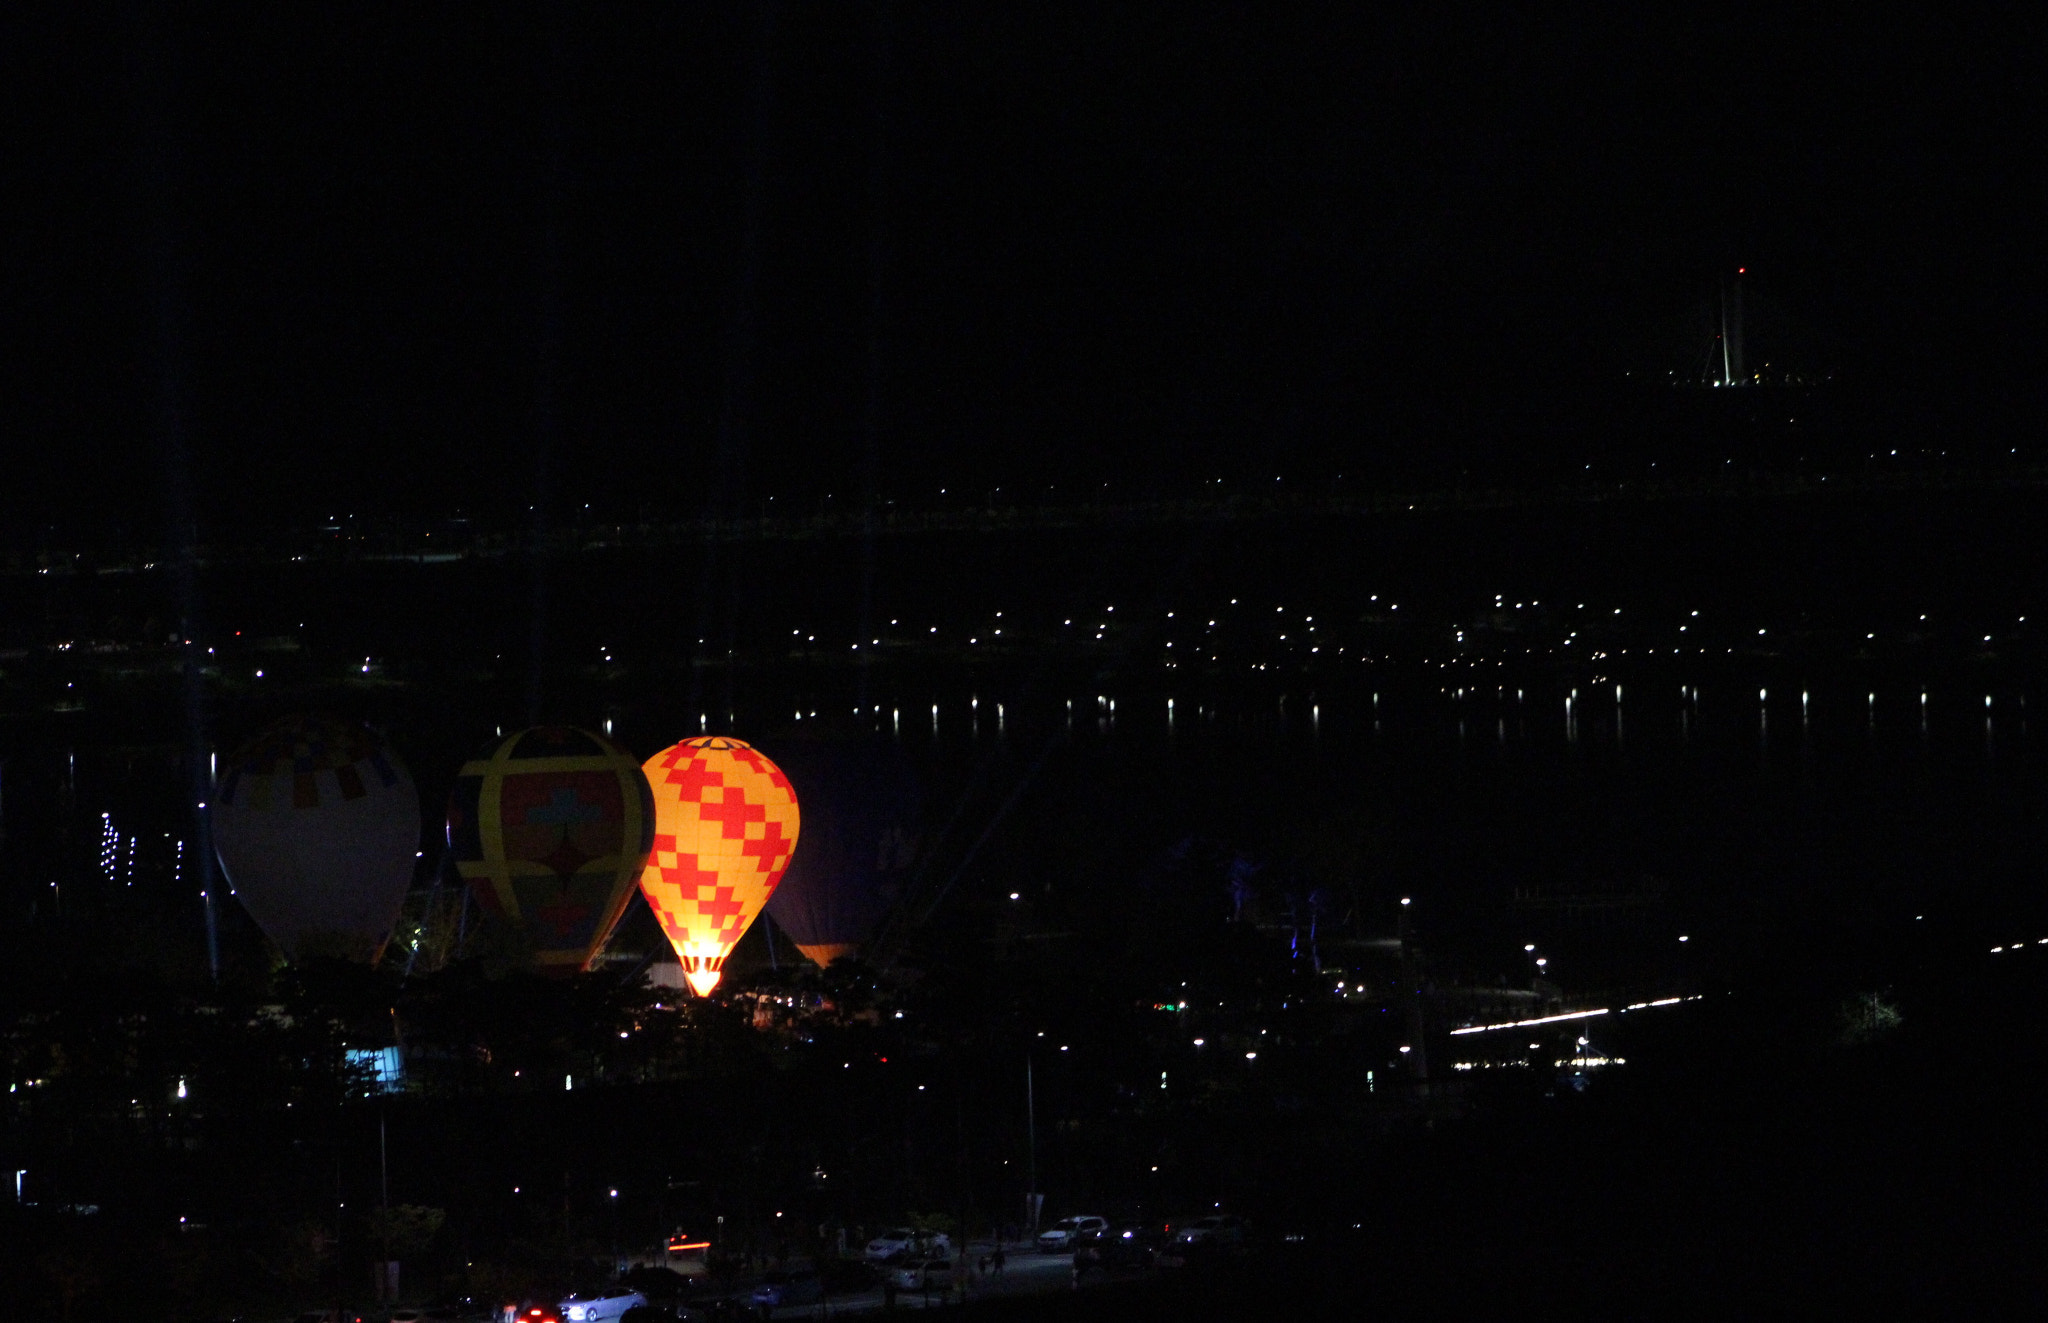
{"x":550,"y":828}
{"x":861,"y":808}
{"x":317,"y":826}
{"x":725,"y":821}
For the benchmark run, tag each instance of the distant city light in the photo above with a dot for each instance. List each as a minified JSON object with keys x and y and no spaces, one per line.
{"x":1541,"y":1019}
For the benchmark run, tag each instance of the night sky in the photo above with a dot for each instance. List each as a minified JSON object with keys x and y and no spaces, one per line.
{"x":652,"y":257}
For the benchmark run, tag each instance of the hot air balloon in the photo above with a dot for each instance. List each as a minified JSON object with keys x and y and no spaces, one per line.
{"x":861,"y":806}
{"x":550,"y":827}
{"x":317,"y":826}
{"x":725,"y":821}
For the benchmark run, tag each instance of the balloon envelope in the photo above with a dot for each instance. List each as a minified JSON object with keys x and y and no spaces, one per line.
{"x":550,"y":827}
{"x":317,"y":825}
{"x":861,"y":809}
{"x":725,"y":821}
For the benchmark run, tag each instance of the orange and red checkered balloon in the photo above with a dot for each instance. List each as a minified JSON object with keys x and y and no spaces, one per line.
{"x":725,"y":822}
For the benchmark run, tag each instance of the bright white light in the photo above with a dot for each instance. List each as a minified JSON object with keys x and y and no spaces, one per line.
{"x":1541,"y":1019}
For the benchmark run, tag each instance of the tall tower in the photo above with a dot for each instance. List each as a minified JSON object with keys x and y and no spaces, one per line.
{"x":1733,"y":373}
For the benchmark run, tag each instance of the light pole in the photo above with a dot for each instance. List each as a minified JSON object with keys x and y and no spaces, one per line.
{"x":1032,"y":1199}
{"x":385,"y":1287}
{"x":1418,"y":1029}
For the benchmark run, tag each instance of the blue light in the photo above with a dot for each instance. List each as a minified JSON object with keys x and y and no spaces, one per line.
{"x":384,"y":1066}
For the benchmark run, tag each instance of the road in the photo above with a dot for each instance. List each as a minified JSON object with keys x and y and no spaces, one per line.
{"x":1025,"y":1272}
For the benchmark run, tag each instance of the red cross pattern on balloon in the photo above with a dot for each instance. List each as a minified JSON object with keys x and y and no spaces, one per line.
{"x":693,"y":778}
{"x":732,"y":813}
{"x":694,"y":885}
{"x":727,"y":824}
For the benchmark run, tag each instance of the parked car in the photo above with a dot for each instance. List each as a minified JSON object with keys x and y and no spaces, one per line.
{"x":600,"y":1306}
{"x":665,"y":1311}
{"x":407,"y":1316}
{"x":902,"y":1242}
{"x":787,"y":1288}
{"x":1124,"y":1245}
{"x":1211,"y":1232}
{"x":1061,"y":1235}
{"x":928,"y":1274}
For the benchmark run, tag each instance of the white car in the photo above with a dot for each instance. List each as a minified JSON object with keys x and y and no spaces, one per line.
{"x":1062,"y":1234}
{"x":600,"y":1306}
{"x":903,"y":1242}
{"x":1218,"y":1229}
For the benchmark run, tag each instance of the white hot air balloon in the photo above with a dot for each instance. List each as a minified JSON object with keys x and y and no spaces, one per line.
{"x":317,"y":825}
